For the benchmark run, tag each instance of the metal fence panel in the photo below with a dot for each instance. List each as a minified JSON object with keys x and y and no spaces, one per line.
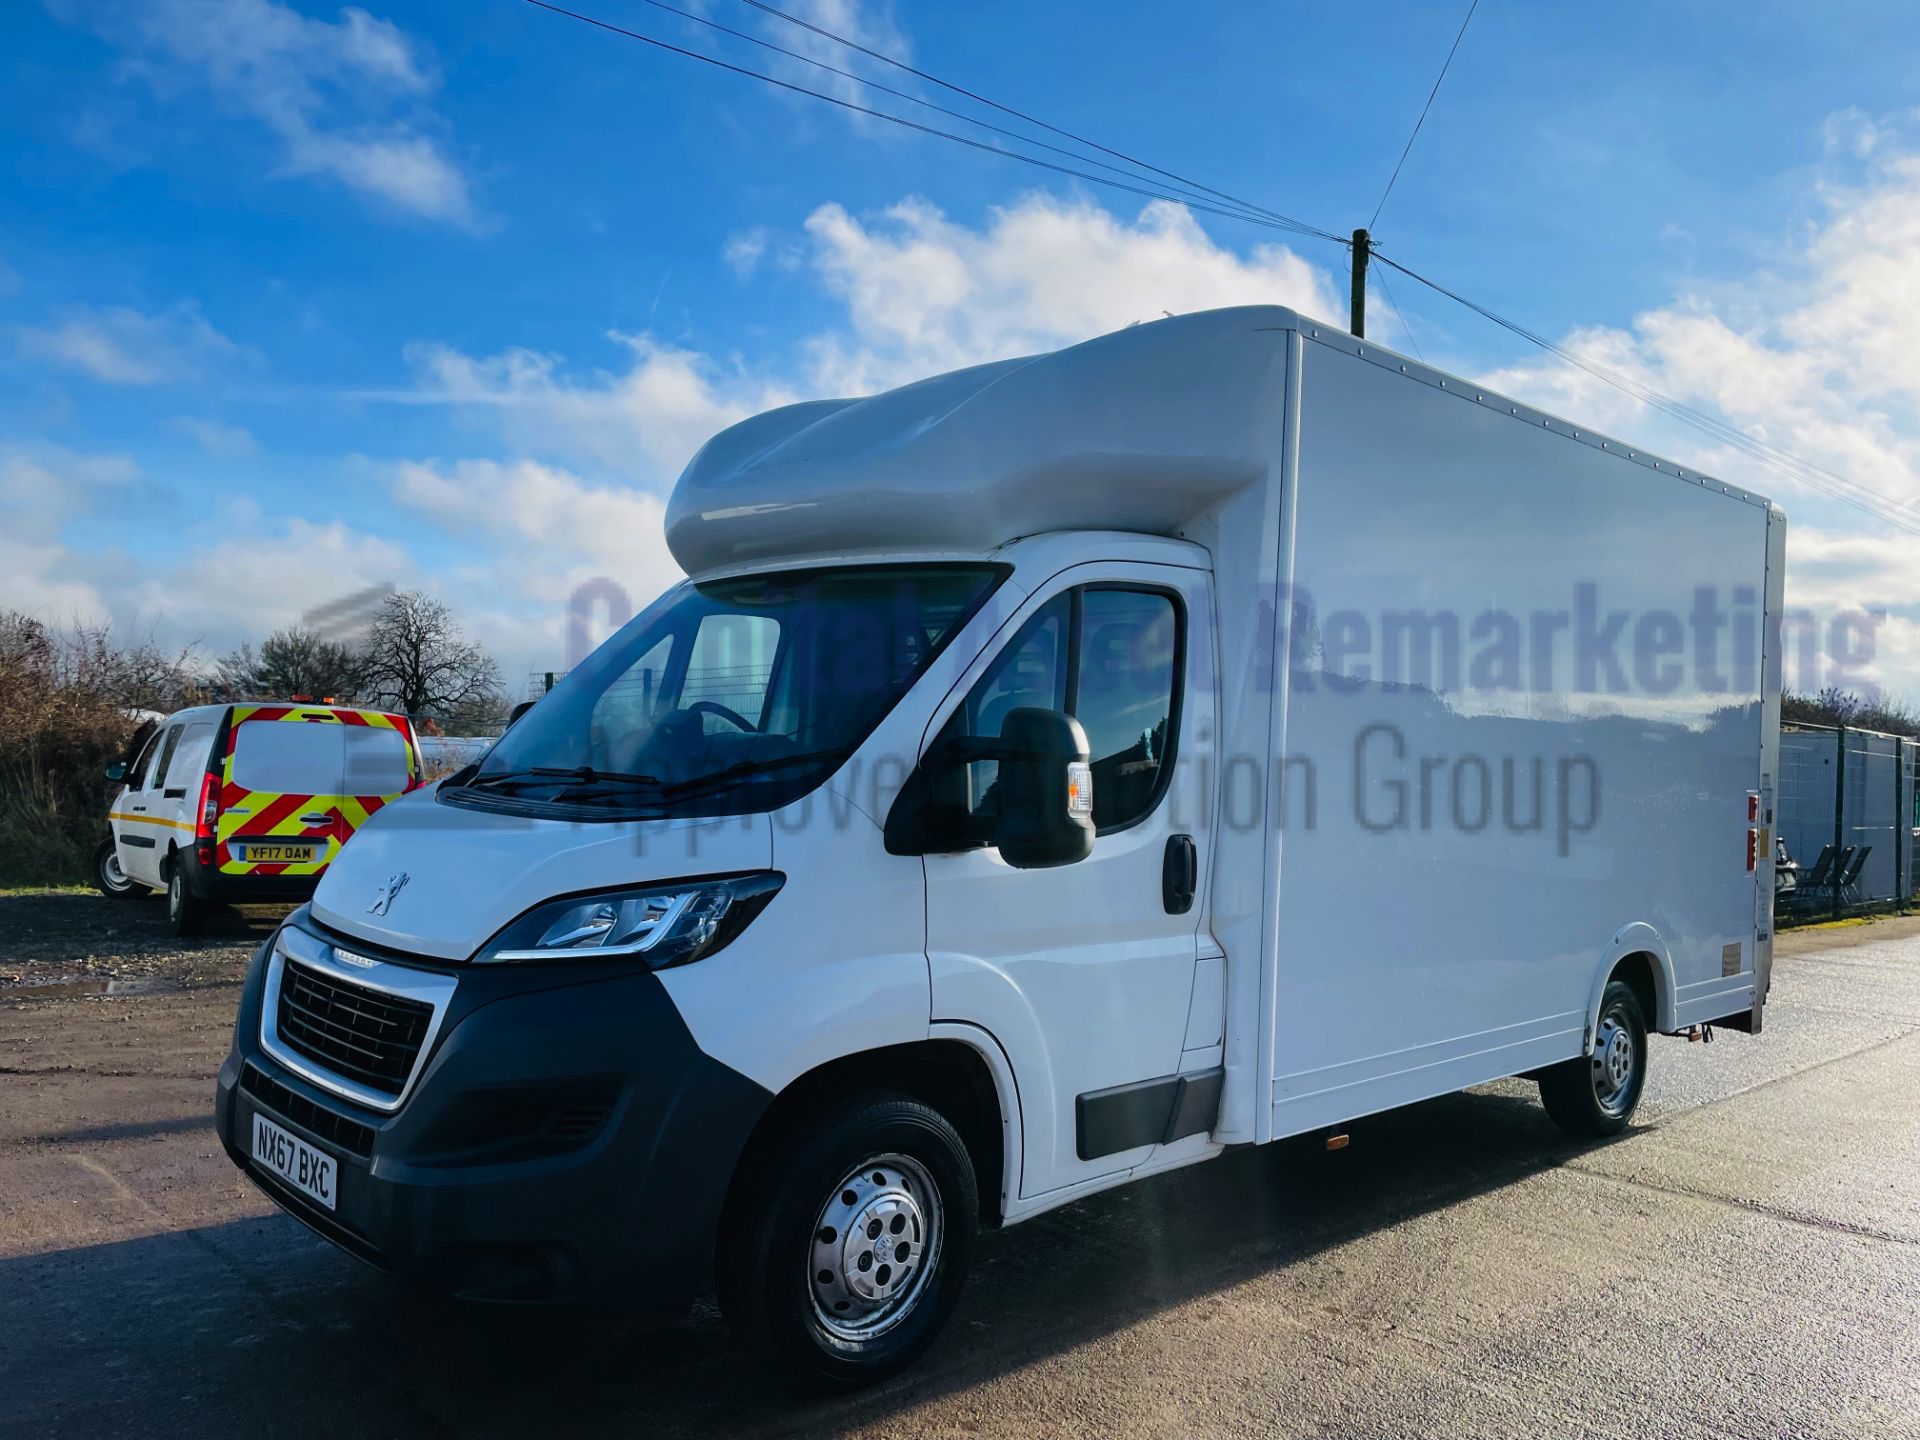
{"x":1804,"y":806}
{"x":1911,"y":811}
{"x":1871,"y":812}
{"x":1851,"y":788}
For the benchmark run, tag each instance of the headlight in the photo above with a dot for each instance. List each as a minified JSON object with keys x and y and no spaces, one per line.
{"x":664,"y":925}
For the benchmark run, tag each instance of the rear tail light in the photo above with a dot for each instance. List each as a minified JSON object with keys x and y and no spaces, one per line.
{"x":206,"y":817}
{"x":1753,"y":849}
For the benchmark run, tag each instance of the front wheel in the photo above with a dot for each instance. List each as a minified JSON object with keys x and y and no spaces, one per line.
{"x":110,"y":877}
{"x":1594,"y":1096}
{"x":186,"y":912}
{"x":842,"y":1258}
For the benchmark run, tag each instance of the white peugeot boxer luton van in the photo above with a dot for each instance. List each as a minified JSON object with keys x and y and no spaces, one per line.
{"x":1052,"y":773}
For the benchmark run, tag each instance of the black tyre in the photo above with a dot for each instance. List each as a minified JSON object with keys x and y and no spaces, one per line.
{"x":108,"y":875}
{"x":845,"y":1251}
{"x":1594,"y":1095}
{"x":186,"y":912}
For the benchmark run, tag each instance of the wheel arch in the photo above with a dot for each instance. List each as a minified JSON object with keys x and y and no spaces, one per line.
{"x":1638,"y":955}
{"x":957,"y":1070}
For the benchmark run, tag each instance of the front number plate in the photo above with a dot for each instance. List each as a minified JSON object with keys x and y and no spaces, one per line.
{"x":308,"y":1170}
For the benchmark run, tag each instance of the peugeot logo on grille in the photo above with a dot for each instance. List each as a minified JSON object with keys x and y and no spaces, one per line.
{"x":385,"y":895}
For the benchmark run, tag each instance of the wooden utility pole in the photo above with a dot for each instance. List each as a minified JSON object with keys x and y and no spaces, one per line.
{"x":1362,"y":251}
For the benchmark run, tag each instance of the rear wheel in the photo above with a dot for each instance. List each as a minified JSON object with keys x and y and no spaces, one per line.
{"x":108,"y":875}
{"x":845,"y":1254}
{"x":186,"y":912}
{"x":1595,"y":1095}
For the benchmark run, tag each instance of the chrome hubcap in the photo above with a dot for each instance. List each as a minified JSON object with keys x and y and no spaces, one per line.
{"x":1615,"y":1058}
{"x":874,"y":1246}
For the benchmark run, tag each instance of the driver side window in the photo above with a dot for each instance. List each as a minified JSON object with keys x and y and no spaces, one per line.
{"x":137,"y":776}
{"x":1108,"y":655}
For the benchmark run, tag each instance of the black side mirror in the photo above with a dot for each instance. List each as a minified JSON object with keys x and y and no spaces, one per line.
{"x":513,"y":715}
{"x":117,"y":771}
{"x":1046,"y":790}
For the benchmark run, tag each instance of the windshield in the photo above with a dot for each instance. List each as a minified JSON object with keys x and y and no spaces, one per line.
{"x":728,"y":695}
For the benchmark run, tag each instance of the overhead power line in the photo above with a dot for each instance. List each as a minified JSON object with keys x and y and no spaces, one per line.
{"x":1408,"y":147}
{"x":1782,"y":462}
{"x":1284,"y":224}
{"x":980,"y":99}
{"x":1773,"y":457}
{"x":1402,"y":314}
{"x":1182,"y":192}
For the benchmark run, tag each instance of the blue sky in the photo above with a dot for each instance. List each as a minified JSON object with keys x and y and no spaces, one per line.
{"x":297,"y":298}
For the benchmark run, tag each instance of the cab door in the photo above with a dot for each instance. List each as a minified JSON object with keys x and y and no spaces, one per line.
{"x":1084,"y":974}
{"x":137,"y":839}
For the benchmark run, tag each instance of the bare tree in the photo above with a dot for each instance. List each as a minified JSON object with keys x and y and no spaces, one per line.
{"x":135,"y":674}
{"x":416,"y":660}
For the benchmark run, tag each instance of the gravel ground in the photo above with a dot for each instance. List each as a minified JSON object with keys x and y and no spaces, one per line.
{"x":1744,"y":1263}
{"x":69,"y":938}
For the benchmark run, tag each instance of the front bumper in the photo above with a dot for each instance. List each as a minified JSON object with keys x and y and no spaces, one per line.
{"x":564,"y":1139}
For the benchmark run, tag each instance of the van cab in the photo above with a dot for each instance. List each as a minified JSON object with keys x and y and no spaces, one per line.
{"x":1010,"y":805}
{"x":250,"y":802}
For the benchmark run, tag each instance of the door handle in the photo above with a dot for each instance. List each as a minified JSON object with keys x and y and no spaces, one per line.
{"x":1179,"y":874}
{"x":141,"y":808}
{"x":315,"y":819}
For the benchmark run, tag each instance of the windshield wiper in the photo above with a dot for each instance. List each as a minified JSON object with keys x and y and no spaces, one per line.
{"x":576,"y":774}
{"x":744,"y":768}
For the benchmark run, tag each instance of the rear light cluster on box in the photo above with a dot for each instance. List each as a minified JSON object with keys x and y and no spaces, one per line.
{"x":1753,"y":831}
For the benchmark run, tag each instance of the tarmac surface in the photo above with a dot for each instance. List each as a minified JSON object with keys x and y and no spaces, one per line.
{"x":1745,"y":1262}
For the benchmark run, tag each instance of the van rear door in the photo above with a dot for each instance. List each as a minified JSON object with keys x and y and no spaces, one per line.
{"x":296,"y":782}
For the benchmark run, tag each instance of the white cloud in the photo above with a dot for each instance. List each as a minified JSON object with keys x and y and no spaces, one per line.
{"x":1835,"y":570}
{"x":642,"y":423}
{"x":42,"y":488}
{"x":345,"y":99}
{"x":1820,"y":363}
{"x":220,"y":440}
{"x":563,"y":529}
{"x":245,"y":575}
{"x":925,"y":294}
{"x":871,"y":26}
{"x":123,"y":346}
{"x":745,"y":251}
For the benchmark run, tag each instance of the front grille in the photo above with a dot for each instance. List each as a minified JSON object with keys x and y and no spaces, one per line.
{"x":366,"y":1036}
{"x":348,"y":1134}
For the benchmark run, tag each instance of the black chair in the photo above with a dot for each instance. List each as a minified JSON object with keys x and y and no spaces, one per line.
{"x":1819,"y":876}
{"x":1849,"y":881}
